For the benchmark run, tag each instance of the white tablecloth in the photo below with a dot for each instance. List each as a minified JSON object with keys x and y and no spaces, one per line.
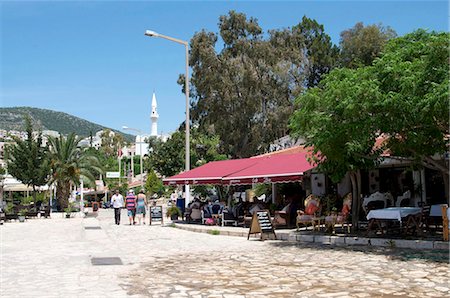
{"x":436,"y":210}
{"x":393,"y":213}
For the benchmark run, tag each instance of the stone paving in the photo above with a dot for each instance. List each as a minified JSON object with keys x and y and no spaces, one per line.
{"x":52,"y":258}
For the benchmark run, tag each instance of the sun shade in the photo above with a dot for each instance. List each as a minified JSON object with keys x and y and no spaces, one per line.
{"x":271,"y":169}
{"x":264,"y":169}
{"x":210,"y":173}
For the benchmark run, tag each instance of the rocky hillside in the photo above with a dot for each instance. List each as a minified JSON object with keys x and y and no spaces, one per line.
{"x":12,"y":119}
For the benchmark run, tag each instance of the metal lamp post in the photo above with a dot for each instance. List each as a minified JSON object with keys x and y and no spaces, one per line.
{"x":185,"y":43}
{"x":140,"y":148}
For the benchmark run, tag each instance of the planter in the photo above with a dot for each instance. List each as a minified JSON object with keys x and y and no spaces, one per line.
{"x":21,"y":218}
{"x":174,"y":217}
{"x":67,"y":215}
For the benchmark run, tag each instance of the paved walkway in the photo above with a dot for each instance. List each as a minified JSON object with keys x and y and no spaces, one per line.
{"x":53,"y":258}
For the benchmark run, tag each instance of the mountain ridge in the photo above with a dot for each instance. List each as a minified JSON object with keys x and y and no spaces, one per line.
{"x":12,"y":118}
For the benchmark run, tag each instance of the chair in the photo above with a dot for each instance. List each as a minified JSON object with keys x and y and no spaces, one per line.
{"x":417,"y":223}
{"x":230,"y":215}
{"x":404,"y":199}
{"x":342,"y":217}
{"x":282,"y":218}
{"x":373,"y":205}
{"x":312,"y":208}
{"x":211,"y":211}
{"x":248,"y":215}
{"x":193,"y":212}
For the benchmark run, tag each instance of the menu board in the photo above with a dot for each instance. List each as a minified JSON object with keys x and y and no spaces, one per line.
{"x":261,"y":223}
{"x":156,"y":214}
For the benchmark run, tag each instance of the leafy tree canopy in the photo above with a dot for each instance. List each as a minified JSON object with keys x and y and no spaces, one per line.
{"x":245,"y":92}
{"x":360,"y":45}
{"x":27,"y":160}
{"x":403,"y":97}
{"x":70,"y":164}
{"x":168,"y":158}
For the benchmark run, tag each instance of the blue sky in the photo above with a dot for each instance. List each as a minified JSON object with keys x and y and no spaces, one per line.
{"x":91,"y":58}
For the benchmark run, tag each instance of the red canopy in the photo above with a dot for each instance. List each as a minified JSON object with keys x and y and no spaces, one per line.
{"x":261,"y":169}
{"x":273,"y":168}
{"x":210,"y":173}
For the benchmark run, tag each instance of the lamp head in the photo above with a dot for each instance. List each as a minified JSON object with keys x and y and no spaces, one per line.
{"x":151,"y":33}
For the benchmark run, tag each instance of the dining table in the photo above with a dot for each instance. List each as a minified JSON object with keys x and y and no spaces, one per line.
{"x":400,"y":214}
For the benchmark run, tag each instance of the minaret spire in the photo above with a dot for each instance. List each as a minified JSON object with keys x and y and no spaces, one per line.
{"x":154,"y":116}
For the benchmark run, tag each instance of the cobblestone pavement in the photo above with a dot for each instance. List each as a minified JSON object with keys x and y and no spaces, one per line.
{"x":52,"y":258}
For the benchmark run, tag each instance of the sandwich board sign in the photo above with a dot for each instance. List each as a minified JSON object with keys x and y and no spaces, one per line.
{"x":156,"y":214}
{"x":261,"y":224}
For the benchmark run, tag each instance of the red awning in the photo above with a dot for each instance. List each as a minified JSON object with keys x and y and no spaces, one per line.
{"x":272,"y":169}
{"x":210,"y":173}
{"x":259,"y":169}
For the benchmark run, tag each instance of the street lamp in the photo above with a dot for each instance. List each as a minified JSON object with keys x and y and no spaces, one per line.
{"x":140,"y":148}
{"x":185,"y":43}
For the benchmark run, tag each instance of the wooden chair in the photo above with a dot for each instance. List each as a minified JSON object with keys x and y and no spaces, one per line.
{"x":342,"y":217}
{"x":281,"y":217}
{"x":312,"y":209}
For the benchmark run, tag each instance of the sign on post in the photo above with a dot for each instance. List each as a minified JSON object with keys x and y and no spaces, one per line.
{"x":112,"y":174}
{"x":156,"y":214}
{"x":261,"y":223}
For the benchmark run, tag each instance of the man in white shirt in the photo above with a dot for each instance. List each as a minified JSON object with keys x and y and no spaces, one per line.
{"x":117,"y":203}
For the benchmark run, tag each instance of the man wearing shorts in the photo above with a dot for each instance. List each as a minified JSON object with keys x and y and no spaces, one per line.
{"x":131,"y":205}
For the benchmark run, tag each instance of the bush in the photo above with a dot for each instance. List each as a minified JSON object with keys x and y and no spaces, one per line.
{"x":174,"y":210}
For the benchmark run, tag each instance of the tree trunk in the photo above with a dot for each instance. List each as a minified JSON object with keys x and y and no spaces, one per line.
{"x":354,"y":199}
{"x":355,"y":178}
{"x":62,"y":194}
{"x":34,"y":194}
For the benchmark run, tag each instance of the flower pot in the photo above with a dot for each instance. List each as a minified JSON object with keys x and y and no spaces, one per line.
{"x":67,"y":215}
{"x":21,"y":218}
{"x":174,"y":216}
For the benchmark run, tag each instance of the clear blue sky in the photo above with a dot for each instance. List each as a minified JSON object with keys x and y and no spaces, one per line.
{"x":91,"y":59}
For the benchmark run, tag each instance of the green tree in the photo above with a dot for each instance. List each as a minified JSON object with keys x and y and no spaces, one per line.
{"x":333,"y":118}
{"x":27,"y":160}
{"x":245,"y":93}
{"x":403,"y":96}
{"x":360,"y":45}
{"x":111,"y":142}
{"x":413,"y":75}
{"x":168,"y":158}
{"x":70,"y":164}
{"x":319,"y":51}
{"x":154,"y":185}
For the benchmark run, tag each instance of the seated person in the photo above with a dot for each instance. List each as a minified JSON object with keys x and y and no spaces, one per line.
{"x":215,"y":208}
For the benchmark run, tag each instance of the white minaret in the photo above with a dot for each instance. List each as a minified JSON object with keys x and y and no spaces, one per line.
{"x":154,"y":116}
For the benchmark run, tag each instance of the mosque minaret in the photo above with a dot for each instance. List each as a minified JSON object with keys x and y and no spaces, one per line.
{"x":154,"y":117}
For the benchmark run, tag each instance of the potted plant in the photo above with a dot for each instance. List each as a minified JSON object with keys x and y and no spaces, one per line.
{"x":69,"y":210}
{"x":173,"y":212}
{"x":22,"y":214}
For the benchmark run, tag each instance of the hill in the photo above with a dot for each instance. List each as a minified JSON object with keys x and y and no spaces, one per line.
{"x":12,"y":119}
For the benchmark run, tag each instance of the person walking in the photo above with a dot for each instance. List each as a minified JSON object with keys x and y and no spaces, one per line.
{"x":131,"y":206}
{"x":141,"y":204}
{"x":117,"y":204}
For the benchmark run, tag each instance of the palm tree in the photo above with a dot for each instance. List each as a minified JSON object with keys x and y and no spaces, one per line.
{"x":70,"y":164}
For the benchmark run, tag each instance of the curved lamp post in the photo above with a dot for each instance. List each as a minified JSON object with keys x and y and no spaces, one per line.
{"x":140,"y":148}
{"x":186,"y":45}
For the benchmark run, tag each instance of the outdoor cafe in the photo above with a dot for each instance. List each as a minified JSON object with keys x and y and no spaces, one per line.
{"x":402,"y":216}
